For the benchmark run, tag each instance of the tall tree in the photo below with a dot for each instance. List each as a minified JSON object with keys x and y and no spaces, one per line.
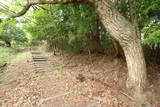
{"x":119,"y":28}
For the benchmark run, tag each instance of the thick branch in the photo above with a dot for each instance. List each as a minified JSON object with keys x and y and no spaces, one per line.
{"x":29,"y":4}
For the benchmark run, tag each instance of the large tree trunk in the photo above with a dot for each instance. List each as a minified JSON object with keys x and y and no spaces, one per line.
{"x":122,"y":31}
{"x":137,"y":77}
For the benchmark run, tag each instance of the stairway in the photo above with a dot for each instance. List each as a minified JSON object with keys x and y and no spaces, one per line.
{"x":40,"y":62}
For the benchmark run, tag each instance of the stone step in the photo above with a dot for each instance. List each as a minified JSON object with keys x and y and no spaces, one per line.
{"x":36,"y":52}
{"x":39,"y":57}
{"x":37,"y":60}
{"x":41,"y":63}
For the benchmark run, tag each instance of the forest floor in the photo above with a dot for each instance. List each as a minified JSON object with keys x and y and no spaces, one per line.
{"x":70,"y":81}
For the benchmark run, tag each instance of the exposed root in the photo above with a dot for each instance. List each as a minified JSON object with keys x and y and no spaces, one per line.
{"x":129,"y":97}
{"x":41,"y":101}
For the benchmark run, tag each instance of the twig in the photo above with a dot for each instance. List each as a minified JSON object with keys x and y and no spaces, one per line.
{"x":131,"y":98}
{"x":41,"y":101}
{"x":104,"y":75}
{"x":89,"y":52}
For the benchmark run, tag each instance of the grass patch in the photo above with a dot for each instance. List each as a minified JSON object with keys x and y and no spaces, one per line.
{"x":6,"y":53}
{"x":20,"y":56}
{"x":2,"y":63}
{"x":10,"y":54}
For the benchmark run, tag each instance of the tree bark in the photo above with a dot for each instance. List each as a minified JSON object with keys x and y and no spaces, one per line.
{"x":137,"y":78}
{"x":122,"y":31}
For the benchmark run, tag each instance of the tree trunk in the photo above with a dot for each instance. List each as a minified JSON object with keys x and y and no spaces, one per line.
{"x":137,"y":77}
{"x":8,"y":43}
{"x":122,"y":31}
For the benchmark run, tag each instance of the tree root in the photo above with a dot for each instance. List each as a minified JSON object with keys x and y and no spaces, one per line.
{"x":41,"y":101}
{"x":129,"y":97}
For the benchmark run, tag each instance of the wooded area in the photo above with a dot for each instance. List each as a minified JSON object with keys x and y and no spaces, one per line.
{"x":127,"y":30}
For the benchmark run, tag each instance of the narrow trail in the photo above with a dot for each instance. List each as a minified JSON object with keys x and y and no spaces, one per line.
{"x":42,"y":80}
{"x":40,"y":62}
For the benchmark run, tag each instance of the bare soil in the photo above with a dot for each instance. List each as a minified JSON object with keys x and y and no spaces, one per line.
{"x":72,"y":81}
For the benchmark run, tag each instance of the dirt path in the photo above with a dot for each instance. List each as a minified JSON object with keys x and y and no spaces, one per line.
{"x":65,"y":81}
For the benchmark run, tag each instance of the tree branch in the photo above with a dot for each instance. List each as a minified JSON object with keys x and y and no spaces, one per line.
{"x":30,"y":3}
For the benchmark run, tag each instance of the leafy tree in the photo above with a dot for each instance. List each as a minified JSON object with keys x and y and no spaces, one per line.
{"x":148,"y":13}
{"x":152,"y":36}
{"x":68,"y":27}
{"x":11,"y":33}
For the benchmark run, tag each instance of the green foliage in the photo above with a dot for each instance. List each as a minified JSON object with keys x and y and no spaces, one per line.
{"x":148,"y":19}
{"x":5,"y":55}
{"x":9,"y":32}
{"x":122,"y":7}
{"x":152,"y":36}
{"x":147,"y":11}
{"x":66,"y":26}
{"x":106,"y":41}
{"x":6,"y":52}
{"x":2,"y":63}
{"x":20,"y":56}
{"x":2,"y":43}
{"x":153,"y":40}
{"x":77,"y":43}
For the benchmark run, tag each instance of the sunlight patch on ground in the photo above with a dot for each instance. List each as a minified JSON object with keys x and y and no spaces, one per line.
{"x":21,"y":56}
